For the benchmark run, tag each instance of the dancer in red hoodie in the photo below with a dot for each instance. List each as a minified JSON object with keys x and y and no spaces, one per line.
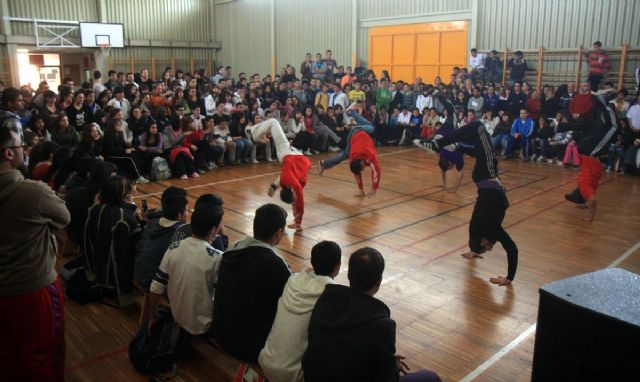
{"x":361,"y":152}
{"x":295,"y":166}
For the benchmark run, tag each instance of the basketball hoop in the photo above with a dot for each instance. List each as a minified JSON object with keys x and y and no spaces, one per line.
{"x":104,"y":47}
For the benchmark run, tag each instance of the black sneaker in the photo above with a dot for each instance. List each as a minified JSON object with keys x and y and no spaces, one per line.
{"x":575,"y":197}
{"x":426,"y":144}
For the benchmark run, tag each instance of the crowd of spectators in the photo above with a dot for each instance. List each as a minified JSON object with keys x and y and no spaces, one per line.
{"x":91,"y":143}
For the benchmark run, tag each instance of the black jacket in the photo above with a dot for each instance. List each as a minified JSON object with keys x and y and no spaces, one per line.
{"x":150,"y":250}
{"x":250,"y":282}
{"x":351,"y":338}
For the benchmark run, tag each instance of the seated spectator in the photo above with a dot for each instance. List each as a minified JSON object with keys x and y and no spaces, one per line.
{"x":138,"y":124}
{"x":476,"y":102}
{"x":221,"y":241}
{"x":582,"y":105}
{"x":251,"y":280}
{"x":558,"y":143}
{"x":540,"y":143}
{"x":41,"y":158}
{"x":281,"y":356}
{"x":501,"y":136}
{"x":244,"y":146}
{"x":429,"y":122}
{"x":119,"y":152}
{"x":109,"y":239}
{"x":64,"y":134}
{"x":150,"y":146}
{"x":91,"y":142}
{"x":620,"y":104}
{"x":351,"y":334}
{"x":83,"y":194}
{"x":189,"y":272}
{"x":181,"y":155}
{"x":158,"y":234}
{"x":521,"y":132}
{"x":489,"y":120}
{"x":534,"y":105}
{"x":615,"y":159}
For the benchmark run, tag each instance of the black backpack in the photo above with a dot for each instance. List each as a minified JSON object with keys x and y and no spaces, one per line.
{"x":155,"y":352}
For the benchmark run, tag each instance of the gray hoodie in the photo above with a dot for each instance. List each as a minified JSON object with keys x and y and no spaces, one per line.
{"x":30,"y":212}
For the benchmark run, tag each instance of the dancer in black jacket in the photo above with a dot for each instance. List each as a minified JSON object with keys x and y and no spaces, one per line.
{"x":485,"y":227}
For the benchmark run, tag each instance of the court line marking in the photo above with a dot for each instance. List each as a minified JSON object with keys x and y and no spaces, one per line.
{"x":513,"y":344}
{"x":247,"y":177}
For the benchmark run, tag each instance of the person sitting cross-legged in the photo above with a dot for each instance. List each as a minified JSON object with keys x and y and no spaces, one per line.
{"x":188,"y":273}
{"x":351,"y":334}
{"x":281,"y":356}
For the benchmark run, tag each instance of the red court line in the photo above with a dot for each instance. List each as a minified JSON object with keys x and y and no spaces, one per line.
{"x":467,"y":222}
{"x":97,"y":359}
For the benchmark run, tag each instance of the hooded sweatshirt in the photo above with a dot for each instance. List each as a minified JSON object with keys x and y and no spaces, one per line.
{"x":156,"y":237}
{"x":351,"y":338}
{"x":31,"y":213}
{"x":282,"y":354}
{"x":250,"y":282}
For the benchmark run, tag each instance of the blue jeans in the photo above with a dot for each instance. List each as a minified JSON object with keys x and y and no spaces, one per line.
{"x":243,"y":149}
{"x":363,"y":125}
{"x":615,"y":151}
{"x":543,"y":146}
{"x":503,"y":140}
{"x":527,"y":145}
{"x":494,"y":75}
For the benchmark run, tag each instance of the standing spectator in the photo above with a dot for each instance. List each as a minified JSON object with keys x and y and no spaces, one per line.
{"x":282,"y":354}
{"x":12,"y":104}
{"x":518,"y":67}
{"x":250,"y":282}
{"x":98,"y":87}
{"x":305,"y":67}
{"x":493,"y":64}
{"x":31,"y":295}
{"x":477,"y":66}
{"x":331,"y":64}
{"x":319,"y":69}
{"x":599,"y":65}
{"x":351,"y":334}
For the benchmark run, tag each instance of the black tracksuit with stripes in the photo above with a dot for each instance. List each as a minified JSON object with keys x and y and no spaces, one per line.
{"x":491,"y":204}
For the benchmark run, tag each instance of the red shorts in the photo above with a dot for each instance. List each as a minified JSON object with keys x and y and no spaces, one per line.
{"x":32,"y":335}
{"x":589,"y":176}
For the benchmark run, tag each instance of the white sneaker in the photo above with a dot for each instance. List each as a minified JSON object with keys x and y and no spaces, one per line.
{"x":334,"y":148}
{"x":269,"y":159}
{"x":142,"y":180}
{"x":307,"y":153}
{"x":316,"y":152}
{"x":533,"y":158}
{"x":212,"y":165}
{"x":541,"y":159}
{"x":255,"y":161}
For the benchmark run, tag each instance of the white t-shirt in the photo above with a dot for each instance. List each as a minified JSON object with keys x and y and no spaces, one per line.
{"x":477,"y":62}
{"x":188,"y":272}
{"x":634,"y":116}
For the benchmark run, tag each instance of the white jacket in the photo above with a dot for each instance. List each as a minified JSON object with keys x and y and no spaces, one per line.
{"x":282,"y":354}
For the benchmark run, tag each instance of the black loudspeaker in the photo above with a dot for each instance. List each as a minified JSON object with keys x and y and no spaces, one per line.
{"x":589,"y":328}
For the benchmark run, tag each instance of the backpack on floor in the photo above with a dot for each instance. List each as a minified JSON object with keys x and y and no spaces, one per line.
{"x":160,"y":169}
{"x":152,"y":352}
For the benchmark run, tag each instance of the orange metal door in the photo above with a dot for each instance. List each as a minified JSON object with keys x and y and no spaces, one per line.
{"x":418,"y":50}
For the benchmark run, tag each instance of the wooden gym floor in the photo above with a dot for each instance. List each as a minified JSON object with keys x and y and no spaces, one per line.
{"x":449,"y":317}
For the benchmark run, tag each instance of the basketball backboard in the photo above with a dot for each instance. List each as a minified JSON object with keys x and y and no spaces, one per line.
{"x":95,"y":35}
